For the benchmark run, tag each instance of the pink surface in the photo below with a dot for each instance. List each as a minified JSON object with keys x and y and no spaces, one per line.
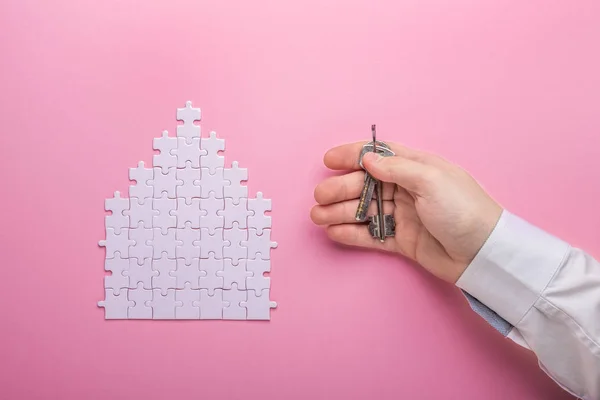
{"x":508,"y":89}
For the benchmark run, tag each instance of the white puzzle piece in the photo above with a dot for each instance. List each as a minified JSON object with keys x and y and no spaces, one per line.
{"x":258,"y":281}
{"x":187,"y":243}
{"x":140,"y":248}
{"x":188,"y":115}
{"x":259,"y":246}
{"x":188,"y":248}
{"x":164,"y":280}
{"x":141,"y":176}
{"x":117,"y":242}
{"x":140,"y":274}
{"x":163,"y":217}
{"x":140,"y":212}
{"x":210,"y":279}
{"x":116,"y":280}
{"x":211,"y":244}
{"x":140,"y":297}
{"x":258,"y":306}
{"x":234,"y":275}
{"x":212,"y":182}
{"x":234,"y":248}
{"x":188,"y":274}
{"x":188,"y":187}
{"x":233,"y":299}
{"x":165,"y":145}
{"x":212,"y":146}
{"x":165,"y":183}
{"x":257,"y":207}
{"x":117,"y":220}
{"x":115,"y":304}
{"x":188,"y":152}
{"x":163,"y":306}
{"x":188,"y":300}
{"x":234,"y":177}
{"x":235,"y":213}
{"x":188,"y":212}
{"x":163,"y":244}
{"x":211,"y":305}
{"x":211,"y":220}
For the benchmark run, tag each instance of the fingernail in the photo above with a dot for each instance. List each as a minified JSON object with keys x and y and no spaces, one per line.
{"x":371,"y":157}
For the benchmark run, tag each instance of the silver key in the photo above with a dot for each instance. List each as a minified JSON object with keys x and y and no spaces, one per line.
{"x":365,"y":198}
{"x":380,"y":225}
{"x":389,"y":226}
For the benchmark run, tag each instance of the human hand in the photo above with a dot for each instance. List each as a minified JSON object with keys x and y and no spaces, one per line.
{"x":443,"y":216}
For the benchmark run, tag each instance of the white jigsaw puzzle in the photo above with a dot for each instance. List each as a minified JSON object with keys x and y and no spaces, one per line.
{"x":163,"y":306}
{"x":163,"y":243}
{"x":212,"y":183}
{"x":211,"y":305}
{"x":164,"y":217}
{"x":257,"y":207}
{"x":188,"y":303}
{"x":188,"y":274}
{"x":164,"y":280}
{"x":257,"y":281}
{"x":164,"y":182}
{"x":188,"y":243}
{"x":213,"y":218}
{"x":141,"y":176}
{"x":116,"y":280}
{"x":234,"y":177}
{"x":211,"y":268}
{"x":140,"y":212}
{"x":165,"y":145}
{"x":235,"y":250}
{"x":233,"y":299}
{"x":234,"y":275}
{"x":235,"y":213}
{"x":117,"y":205}
{"x":212,"y":160}
{"x":188,"y":186}
{"x":116,"y":303}
{"x":188,"y":115}
{"x":258,"y":305}
{"x":187,"y":249}
{"x":140,"y":274}
{"x":117,"y":243}
{"x":188,"y":212}
{"x":188,"y":153}
{"x":140,"y":297}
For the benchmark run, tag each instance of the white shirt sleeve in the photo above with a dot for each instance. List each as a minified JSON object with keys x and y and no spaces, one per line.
{"x":545,"y":295}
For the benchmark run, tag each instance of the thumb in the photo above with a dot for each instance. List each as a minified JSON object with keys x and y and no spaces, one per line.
{"x":409,"y":174}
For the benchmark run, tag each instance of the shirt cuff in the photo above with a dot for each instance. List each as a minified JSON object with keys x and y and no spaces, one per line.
{"x":513,"y":267}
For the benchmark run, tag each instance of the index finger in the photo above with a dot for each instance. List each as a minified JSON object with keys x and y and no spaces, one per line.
{"x":345,"y":157}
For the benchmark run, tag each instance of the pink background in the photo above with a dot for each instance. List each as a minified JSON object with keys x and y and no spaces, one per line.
{"x":508,"y":89}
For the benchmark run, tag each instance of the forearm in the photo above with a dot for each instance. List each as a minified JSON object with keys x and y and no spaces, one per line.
{"x":546,"y":296}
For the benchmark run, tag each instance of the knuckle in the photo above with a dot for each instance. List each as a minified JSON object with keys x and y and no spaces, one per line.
{"x":392,"y":166}
{"x":343,"y":190}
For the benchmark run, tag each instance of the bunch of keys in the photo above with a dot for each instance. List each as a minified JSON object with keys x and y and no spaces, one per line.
{"x":380,"y":225}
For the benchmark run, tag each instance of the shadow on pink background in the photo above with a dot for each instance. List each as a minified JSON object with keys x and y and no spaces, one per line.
{"x":508,"y":89}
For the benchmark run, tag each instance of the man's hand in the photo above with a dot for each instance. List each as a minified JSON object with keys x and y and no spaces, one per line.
{"x":443,"y":217}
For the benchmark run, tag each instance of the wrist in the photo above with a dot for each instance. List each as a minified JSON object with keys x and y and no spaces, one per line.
{"x":484,"y":229}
